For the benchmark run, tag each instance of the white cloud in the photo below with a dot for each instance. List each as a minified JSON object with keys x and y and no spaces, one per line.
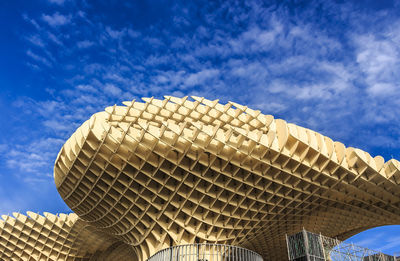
{"x":54,"y":38}
{"x":9,"y":205}
{"x":115,"y":34}
{"x":33,"y":158}
{"x":84,"y":44}
{"x":56,"y":19}
{"x":270,"y":106}
{"x":369,"y":241}
{"x":112,"y":89}
{"x":133,"y":33}
{"x":85,"y":99}
{"x":200,"y":77}
{"x":169,"y":78}
{"x":36,"y":40}
{"x":31,"y":21}
{"x":33,"y":66}
{"x":322,"y":91}
{"x":48,"y":108}
{"x":378,"y":241}
{"x":38,"y":58}
{"x":57,"y":126}
{"x":256,"y":39}
{"x":379,"y":61}
{"x":59,"y":2}
{"x":392,"y":242}
{"x":85,"y":88}
{"x":382,"y":89}
{"x":252,"y":71}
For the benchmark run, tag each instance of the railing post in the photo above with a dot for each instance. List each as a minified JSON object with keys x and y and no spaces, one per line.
{"x":322,"y":246}
{"x":306,"y":244}
{"x":287,"y":245}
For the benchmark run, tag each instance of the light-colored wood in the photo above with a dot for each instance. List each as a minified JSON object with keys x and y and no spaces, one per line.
{"x":182,"y":170}
{"x":53,"y":237}
{"x":175,"y":171}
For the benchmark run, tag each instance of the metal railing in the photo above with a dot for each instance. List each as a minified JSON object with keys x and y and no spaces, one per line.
{"x":205,"y":252}
{"x":316,"y":247}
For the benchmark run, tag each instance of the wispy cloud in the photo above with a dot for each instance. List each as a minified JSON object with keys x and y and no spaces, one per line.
{"x":115,"y":34}
{"x":8,"y":206}
{"x":84,"y":44}
{"x":38,"y":58}
{"x":56,"y":19}
{"x":369,"y":241}
{"x":31,"y":21}
{"x":379,"y":61}
{"x":391,"y":243}
{"x":59,"y":2}
{"x":383,"y":241}
{"x":36,"y":40}
{"x":200,"y":77}
{"x":112,"y":89}
{"x":54,"y":38}
{"x":32,"y":159}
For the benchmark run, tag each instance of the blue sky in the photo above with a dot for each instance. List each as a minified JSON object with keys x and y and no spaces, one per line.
{"x":329,"y":66}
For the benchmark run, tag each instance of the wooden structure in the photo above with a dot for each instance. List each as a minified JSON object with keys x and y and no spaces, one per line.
{"x":57,"y":237}
{"x":179,"y":171}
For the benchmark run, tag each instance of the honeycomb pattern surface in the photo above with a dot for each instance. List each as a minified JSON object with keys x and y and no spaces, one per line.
{"x":179,"y":170}
{"x":50,"y":237}
{"x":190,"y":170}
